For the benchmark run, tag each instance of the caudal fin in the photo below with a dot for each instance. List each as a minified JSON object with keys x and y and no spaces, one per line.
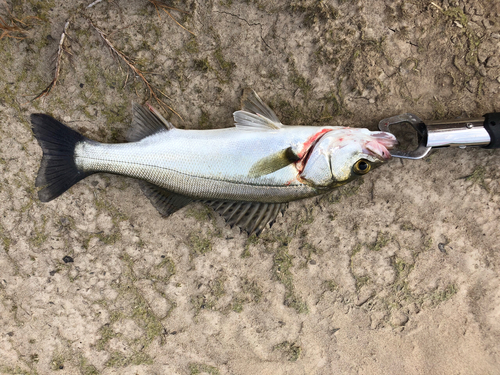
{"x":58,"y":171}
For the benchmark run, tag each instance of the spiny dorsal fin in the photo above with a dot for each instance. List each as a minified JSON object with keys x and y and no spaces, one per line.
{"x":273,"y":162}
{"x":252,"y":217}
{"x":255,"y":114}
{"x":146,"y":122}
{"x":163,"y":200}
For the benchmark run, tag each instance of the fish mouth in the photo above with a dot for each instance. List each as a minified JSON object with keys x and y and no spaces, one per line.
{"x":380,"y":145}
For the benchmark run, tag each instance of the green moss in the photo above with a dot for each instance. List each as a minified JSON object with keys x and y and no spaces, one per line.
{"x":361,"y":281}
{"x":147,"y":320}
{"x":226,"y":66}
{"x":314,"y":12}
{"x":199,"y":245}
{"x":440,"y":296}
{"x":198,"y":368}
{"x":204,"y":122}
{"x":330,"y":285}
{"x":201,"y":213}
{"x":282,"y":264}
{"x":39,"y":236}
{"x":201,"y":302}
{"x":297,"y":79}
{"x":208,"y":300}
{"x":16,"y":370}
{"x":477,"y":177}
{"x":192,"y":46}
{"x":383,"y":238}
{"x":252,"y":240}
{"x":163,"y":271}
{"x":5,"y":239}
{"x":106,"y":333}
{"x":118,"y":359}
{"x":290,"y":349}
{"x":344,"y":191}
{"x":309,"y":250}
{"x":202,"y":65}
{"x":86,"y":368}
{"x":116,"y":114}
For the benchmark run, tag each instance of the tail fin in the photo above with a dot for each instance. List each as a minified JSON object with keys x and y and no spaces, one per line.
{"x":58,"y":171}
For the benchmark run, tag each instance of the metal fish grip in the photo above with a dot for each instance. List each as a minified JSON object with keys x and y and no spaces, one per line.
{"x":417,"y":124}
{"x":461,"y":133}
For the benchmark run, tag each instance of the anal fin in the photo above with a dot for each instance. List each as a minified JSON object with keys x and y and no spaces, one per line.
{"x":163,"y":200}
{"x":252,"y":217}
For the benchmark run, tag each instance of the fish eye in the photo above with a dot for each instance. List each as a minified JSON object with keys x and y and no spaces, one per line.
{"x":362,"y":166}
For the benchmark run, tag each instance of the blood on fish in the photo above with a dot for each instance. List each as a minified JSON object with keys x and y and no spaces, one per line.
{"x":311,"y":140}
{"x":306,"y":148}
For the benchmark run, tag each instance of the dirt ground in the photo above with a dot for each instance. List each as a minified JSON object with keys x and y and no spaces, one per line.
{"x":397,"y":273}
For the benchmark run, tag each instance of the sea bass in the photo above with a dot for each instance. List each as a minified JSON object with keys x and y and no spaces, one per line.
{"x":247,"y":173}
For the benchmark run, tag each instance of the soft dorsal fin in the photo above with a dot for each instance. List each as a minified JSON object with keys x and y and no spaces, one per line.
{"x":255,"y":114}
{"x":252,"y":217}
{"x":146,"y":122}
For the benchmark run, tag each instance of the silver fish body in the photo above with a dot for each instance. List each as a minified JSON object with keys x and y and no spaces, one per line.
{"x":247,"y":173}
{"x":205,"y":164}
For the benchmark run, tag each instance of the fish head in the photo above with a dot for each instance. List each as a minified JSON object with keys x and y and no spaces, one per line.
{"x":342,"y":155}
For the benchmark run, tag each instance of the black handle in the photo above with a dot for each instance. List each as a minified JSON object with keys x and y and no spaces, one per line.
{"x":492,"y":126}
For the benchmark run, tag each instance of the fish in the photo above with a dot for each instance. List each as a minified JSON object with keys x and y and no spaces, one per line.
{"x":247,"y":173}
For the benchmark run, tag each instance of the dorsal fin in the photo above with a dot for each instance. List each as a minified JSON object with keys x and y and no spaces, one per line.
{"x":146,"y":122}
{"x":255,"y":114}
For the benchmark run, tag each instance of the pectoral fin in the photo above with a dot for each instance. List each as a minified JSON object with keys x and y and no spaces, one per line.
{"x":273,"y":163}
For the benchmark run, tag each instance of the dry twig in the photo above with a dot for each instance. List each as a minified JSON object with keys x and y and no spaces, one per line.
{"x":94,"y":3}
{"x":60,"y":52}
{"x":130,"y":64}
{"x":8,"y":29}
{"x":165,"y":8}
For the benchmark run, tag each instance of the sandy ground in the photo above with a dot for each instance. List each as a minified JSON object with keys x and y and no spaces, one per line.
{"x":396,"y":273}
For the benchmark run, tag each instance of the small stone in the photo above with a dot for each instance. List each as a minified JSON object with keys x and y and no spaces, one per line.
{"x":68,"y":259}
{"x":495,"y":35}
{"x":441,"y":247}
{"x":399,"y":319}
{"x":371,"y":101}
{"x":312,"y":261}
{"x":10,"y":334}
{"x":52,"y":273}
{"x":493,"y":61}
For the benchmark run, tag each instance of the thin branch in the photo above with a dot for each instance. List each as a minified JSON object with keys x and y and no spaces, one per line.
{"x":94,"y":3}
{"x":164,"y":7}
{"x":60,"y":52}
{"x":7,"y":28}
{"x":130,"y":64}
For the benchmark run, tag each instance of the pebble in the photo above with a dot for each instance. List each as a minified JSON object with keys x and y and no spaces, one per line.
{"x":493,"y":61}
{"x":399,"y":319}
